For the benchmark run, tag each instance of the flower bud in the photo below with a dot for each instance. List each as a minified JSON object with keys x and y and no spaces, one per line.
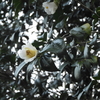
{"x":87,"y":28}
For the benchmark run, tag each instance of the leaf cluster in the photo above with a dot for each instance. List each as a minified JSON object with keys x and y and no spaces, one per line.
{"x":68,"y":64}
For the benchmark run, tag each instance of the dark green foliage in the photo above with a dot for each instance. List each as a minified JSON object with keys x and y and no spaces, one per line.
{"x":67,"y":66}
{"x":47,"y":63}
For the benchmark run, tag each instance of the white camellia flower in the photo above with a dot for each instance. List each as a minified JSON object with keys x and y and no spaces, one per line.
{"x":50,"y":7}
{"x":28,"y":52}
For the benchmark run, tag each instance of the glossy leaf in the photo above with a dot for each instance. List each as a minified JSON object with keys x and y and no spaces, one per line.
{"x":56,"y":46}
{"x":98,"y":10}
{"x":77,"y":72}
{"x":18,"y":5}
{"x":94,"y":40}
{"x":60,"y":24}
{"x":18,"y":69}
{"x":86,"y":89}
{"x":86,"y":51}
{"x":30,"y":67}
{"x":47,"y":64}
{"x":80,"y":95}
{"x":77,"y":32}
{"x":97,"y":76}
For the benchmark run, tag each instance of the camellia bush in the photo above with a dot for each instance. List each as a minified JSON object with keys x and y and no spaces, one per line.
{"x":62,"y":62}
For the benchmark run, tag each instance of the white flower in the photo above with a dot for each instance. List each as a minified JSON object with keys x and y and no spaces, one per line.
{"x":28,"y":52}
{"x":50,"y":7}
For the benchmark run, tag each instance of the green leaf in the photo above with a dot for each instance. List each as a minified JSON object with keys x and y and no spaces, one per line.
{"x":87,"y":87}
{"x":63,"y":66}
{"x":30,"y":68}
{"x":60,"y":24}
{"x":95,"y":19}
{"x":97,"y":76}
{"x":47,"y":64}
{"x":17,"y":6}
{"x":8,"y":58}
{"x":55,"y":83}
{"x":19,"y":68}
{"x":49,"y":35}
{"x":45,"y":20}
{"x":85,"y":90}
{"x":98,"y":10}
{"x":59,"y":17}
{"x":92,"y":60}
{"x":43,"y":37}
{"x":77,"y":72}
{"x":86,"y":51}
{"x":30,"y":2}
{"x":64,"y":96}
{"x":94,"y":40}
{"x":56,"y":46}
{"x":2,"y":5}
{"x":37,"y":44}
{"x":72,"y":43}
{"x":17,"y":95}
{"x":77,"y":32}
{"x":97,"y":46}
{"x":16,"y":36}
{"x":80,"y":95}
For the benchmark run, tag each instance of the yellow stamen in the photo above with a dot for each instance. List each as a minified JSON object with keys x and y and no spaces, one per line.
{"x":30,"y":53}
{"x":46,"y":7}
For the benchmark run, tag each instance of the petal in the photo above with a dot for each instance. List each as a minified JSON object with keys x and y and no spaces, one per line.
{"x":48,"y":11}
{"x":22,"y":54}
{"x":44,"y":4}
{"x":31,"y":59}
{"x":28,"y":45}
{"x":52,"y":7}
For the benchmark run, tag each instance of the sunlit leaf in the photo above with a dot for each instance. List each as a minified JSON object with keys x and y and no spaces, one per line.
{"x":98,"y":10}
{"x":19,"y":68}
{"x":86,"y":89}
{"x":94,"y":40}
{"x":47,"y":64}
{"x":86,"y":51}
{"x":56,"y":46}
{"x":92,"y":60}
{"x":49,"y":35}
{"x":30,"y":67}
{"x":80,"y":95}
{"x":37,"y":43}
{"x":77,"y":72}
{"x":17,"y":5}
{"x":61,"y":68}
{"x":77,"y":32}
{"x":60,"y":24}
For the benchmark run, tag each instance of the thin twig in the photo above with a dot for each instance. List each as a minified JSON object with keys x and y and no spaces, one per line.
{"x":87,"y":7}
